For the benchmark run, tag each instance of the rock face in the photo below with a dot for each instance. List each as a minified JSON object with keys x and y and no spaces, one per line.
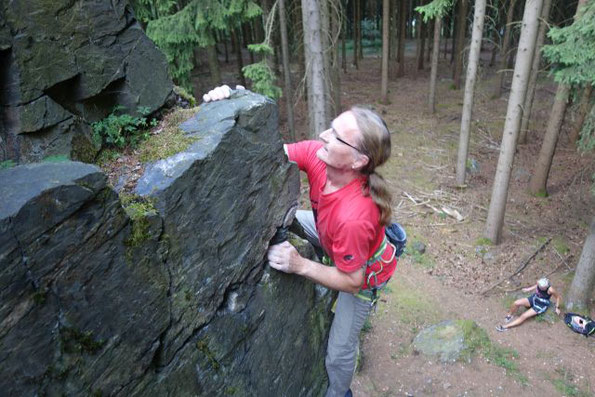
{"x":65,"y":64}
{"x":177,"y":301}
{"x":445,"y":340}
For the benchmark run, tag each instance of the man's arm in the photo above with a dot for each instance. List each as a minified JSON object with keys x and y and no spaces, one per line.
{"x":531,"y":288}
{"x":284,"y":257}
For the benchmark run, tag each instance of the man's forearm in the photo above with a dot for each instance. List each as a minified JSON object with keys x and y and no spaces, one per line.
{"x":331,"y":277}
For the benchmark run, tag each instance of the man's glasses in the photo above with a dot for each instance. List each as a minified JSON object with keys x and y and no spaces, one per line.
{"x":336,"y":136}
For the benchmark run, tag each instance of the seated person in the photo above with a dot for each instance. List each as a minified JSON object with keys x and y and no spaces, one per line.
{"x":537,"y":303}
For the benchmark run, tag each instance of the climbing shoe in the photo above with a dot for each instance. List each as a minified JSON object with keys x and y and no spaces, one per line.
{"x":500,"y":328}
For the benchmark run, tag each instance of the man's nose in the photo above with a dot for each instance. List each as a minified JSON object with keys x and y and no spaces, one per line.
{"x":324,"y":135}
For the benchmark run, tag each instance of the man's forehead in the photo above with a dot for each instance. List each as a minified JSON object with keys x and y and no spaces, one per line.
{"x":345,"y":122}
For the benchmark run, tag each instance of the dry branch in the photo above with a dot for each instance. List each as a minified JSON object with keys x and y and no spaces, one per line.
{"x":520,"y":268}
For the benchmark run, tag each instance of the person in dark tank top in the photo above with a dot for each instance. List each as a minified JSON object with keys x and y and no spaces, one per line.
{"x":536,"y":304}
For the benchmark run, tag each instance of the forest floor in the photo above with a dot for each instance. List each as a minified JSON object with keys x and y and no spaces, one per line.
{"x":543,"y":357}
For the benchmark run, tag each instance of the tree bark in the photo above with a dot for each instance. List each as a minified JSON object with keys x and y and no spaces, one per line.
{"x":581,"y":114}
{"x":360,"y":47}
{"x":581,"y":289}
{"x":421,"y":42}
{"x":318,"y":118}
{"x":335,"y":75}
{"x":505,"y":47}
{"x":286,"y":69}
{"x":513,"y":118}
{"x":327,"y":55}
{"x":538,"y":181}
{"x":462,"y":29}
{"x":402,"y":28}
{"x":239,"y":60}
{"x":434,"y":71}
{"x":385,"y":40}
{"x":213,"y":65}
{"x":472,"y":66}
{"x":545,"y":12}
{"x":356,"y":24}
{"x":394,"y":28}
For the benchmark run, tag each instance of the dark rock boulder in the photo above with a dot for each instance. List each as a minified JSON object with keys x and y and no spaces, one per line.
{"x":170,"y":295}
{"x":65,"y":64}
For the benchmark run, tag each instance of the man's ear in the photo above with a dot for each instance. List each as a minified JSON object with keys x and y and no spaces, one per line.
{"x":360,"y":162}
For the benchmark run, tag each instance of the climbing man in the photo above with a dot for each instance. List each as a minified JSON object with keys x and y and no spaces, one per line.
{"x":537,"y":304}
{"x":351,"y":205}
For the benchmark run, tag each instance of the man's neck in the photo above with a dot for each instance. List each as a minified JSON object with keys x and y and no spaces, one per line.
{"x":337,"y":178}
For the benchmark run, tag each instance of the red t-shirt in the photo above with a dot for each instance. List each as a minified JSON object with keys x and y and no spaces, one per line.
{"x":347,"y":220}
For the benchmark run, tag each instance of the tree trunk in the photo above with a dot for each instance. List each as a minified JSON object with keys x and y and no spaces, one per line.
{"x":298,"y":25}
{"x":545,"y":12}
{"x":213,"y":65}
{"x":472,"y":66}
{"x":538,"y":181}
{"x":505,"y":49}
{"x":402,"y":28}
{"x":513,"y":118}
{"x":581,"y":289}
{"x":420,"y":49}
{"x":315,"y":67}
{"x":434,"y":72}
{"x":327,"y":55}
{"x":394,"y":28}
{"x":462,"y":29}
{"x":356,"y":24}
{"x":581,"y":114}
{"x":286,"y":69}
{"x":446,"y":34}
{"x":429,"y":33}
{"x":335,"y":75}
{"x":385,"y":40}
{"x":360,"y":47}
{"x":239,"y":60}
{"x":344,"y":39}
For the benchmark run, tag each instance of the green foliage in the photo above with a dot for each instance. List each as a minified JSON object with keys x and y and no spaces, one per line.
{"x":565,"y":384}
{"x":76,"y":341}
{"x":181,"y":92}
{"x":56,"y":159}
{"x":573,"y":49}
{"x":587,"y":141}
{"x":138,"y":209}
{"x":7,"y":164}
{"x":263,"y":79}
{"x":369,"y":30}
{"x":121,"y":130}
{"x":437,"y":8}
{"x":178,"y":32}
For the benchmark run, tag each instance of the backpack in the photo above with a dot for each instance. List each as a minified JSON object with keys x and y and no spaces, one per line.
{"x":397,"y":236}
{"x":580,"y":324}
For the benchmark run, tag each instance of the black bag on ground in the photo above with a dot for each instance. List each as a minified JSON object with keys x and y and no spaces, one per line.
{"x":397,"y":236}
{"x":580,"y":324}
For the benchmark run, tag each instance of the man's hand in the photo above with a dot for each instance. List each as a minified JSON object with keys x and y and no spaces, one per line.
{"x":284,"y":257}
{"x":218,"y":93}
{"x":558,"y":311}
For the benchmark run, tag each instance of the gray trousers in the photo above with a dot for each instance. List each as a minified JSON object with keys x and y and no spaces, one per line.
{"x":350,"y":316}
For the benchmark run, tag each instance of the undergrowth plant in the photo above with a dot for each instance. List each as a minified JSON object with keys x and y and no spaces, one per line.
{"x":120,"y":130}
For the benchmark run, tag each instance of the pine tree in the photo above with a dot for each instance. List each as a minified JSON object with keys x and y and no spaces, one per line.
{"x":178,"y":28}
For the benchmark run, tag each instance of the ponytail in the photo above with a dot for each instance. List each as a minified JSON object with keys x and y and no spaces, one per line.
{"x":381,"y":196}
{"x":375,"y":144}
